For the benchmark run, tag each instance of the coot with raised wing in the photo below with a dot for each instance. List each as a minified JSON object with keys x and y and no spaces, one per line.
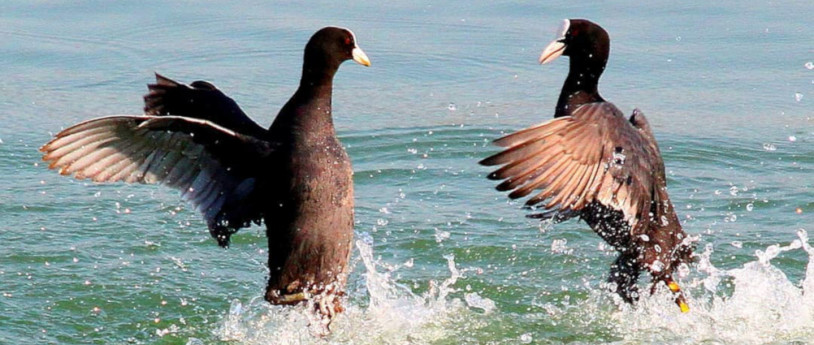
{"x":593,"y":163}
{"x":295,"y":177}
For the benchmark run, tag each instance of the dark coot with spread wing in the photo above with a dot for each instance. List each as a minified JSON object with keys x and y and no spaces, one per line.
{"x":296,"y":176}
{"x":593,"y":163}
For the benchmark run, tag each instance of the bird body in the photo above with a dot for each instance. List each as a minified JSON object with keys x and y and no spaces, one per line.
{"x":295,"y":177}
{"x":593,"y":163}
{"x":308,"y":229}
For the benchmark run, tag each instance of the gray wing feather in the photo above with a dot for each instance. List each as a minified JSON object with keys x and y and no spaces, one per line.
{"x":593,"y":155}
{"x":211,"y":165}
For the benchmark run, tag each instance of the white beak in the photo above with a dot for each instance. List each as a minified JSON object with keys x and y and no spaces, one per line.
{"x":552,"y":52}
{"x":554,"y":49}
{"x":360,"y":57}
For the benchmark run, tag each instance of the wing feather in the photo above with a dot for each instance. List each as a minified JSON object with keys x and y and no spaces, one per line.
{"x":188,"y":154}
{"x":593,"y":155}
{"x":200,"y":100}
{"x":531,"y":133}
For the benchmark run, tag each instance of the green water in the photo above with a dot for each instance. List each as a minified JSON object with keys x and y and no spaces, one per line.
{"x":442,"y":257}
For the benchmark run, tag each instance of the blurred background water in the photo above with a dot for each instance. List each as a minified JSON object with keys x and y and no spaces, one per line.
{"x":441,"y":257}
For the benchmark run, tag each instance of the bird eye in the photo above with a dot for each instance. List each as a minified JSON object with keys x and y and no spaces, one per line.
{"x":347,"y":41}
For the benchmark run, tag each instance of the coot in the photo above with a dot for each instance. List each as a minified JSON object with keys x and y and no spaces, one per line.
{"x":295,"y":177}
{"x":593,"y":163}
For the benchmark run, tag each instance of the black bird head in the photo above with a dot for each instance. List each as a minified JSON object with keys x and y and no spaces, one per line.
{"x":331,"y":46}
{"x":588,"y":46}
{"x":581,"y":40}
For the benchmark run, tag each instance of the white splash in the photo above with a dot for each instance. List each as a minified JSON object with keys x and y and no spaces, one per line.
{"x":753,"y":304}
{"x":393,"y":314}
{"x":761,"y":305}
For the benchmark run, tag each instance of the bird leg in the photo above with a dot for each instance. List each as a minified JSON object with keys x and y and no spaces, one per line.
{"x":680,"y":301}
{"x":293,"y":298}
{"x":624,"y":272}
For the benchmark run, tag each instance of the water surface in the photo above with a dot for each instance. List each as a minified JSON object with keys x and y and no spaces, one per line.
{"x":442,"y":258}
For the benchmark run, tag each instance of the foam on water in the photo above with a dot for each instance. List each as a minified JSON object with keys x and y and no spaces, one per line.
{"x":391,"y":313}
{"x":754,"y":304}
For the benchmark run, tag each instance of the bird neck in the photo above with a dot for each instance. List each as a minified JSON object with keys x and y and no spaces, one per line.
{"x":308,"y":112}
{"x":317,"y":77}
{"x":581,"y":85}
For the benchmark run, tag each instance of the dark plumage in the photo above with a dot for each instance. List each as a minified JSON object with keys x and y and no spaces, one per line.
{"x":592,"y":163}
{"x":296,"y":176}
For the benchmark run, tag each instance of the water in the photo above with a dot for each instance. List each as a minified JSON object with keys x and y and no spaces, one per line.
{"x":441,"y":258}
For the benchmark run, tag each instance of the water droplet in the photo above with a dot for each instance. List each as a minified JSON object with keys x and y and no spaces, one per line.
{"x":452,"y":107}
{"x":657,"y":266}
{"x":236,"y":308}
{"x":737,"y":244}
{"x":683,"y":270}
{"x":792,"y":138}
{"x":809,"y":65}
{"x":798,"y":96}
{"x":733,"y":191}
{"x":678,"y":38}
{"x":619,"y":158}
{"x":644,"y":238}
{"x":560,"y":246}
{"x":195,"y":341}
{"x":769,"y":147}
{"x":441,"y":235}
{"x":473,"y":300}
{"x":526,"y":338}
{"x":750,"y":206}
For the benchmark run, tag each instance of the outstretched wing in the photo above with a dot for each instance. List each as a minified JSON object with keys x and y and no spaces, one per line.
{"x":200,"y":100}
{"x":217,"y":169}
{"x":593,"y":155}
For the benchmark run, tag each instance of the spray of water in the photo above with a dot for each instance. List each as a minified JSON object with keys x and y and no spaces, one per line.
{"x":754,"y":304}
{"x":393,"y":314}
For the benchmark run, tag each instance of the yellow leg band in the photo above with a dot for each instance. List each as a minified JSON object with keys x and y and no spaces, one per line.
{"x":673,"y":287}
{"x":684,"y":307}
